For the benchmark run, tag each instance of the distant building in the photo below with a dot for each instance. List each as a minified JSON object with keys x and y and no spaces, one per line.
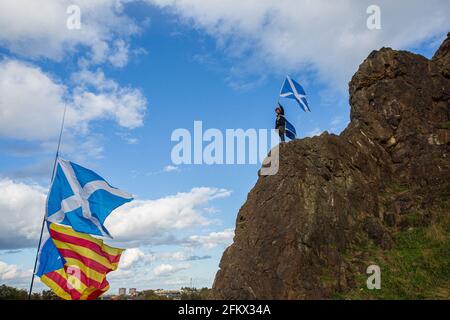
{"x":171,"y":294}
{"x":132,"y":292}
{"x":122,"y":291}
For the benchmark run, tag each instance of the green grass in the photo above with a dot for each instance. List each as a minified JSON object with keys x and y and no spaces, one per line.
{"x":414,"y":219}
{"x":418,"y":267}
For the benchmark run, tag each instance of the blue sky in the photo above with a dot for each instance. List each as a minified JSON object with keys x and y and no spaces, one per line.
{"x":138,"y":70}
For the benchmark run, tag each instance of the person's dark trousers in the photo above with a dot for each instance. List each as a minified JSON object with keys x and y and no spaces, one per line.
{"x":281,"y":133}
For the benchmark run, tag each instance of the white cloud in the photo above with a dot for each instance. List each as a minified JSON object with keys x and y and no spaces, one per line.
{"x":178,"y":256}
{"x":182,"y":256}
{"x":106,"y":100}
{"x":126,"y":136}
{"x":120,"y":57}
{"x":31,"y":102}
{"x":211,"y":210}
{"x":170,"y":168}
{"x":164,"y":270}
{"x":154,"y":221}
{"x":336,"y":121}
{"x":22,"y":209}
{"x":327,"y":37}
{"x":11,"y":272}
{"x":135,"y":265}
{"x":165,"y":169}
{"x":88,"y":147}
{"x":132,"y":140}
{"x":38,"y":29}
{"x":314,"y":132}
{"x":213,"y":239}
{"x":131,"y":257}
{"x":337,"y":124}
{"x":93,"y":79}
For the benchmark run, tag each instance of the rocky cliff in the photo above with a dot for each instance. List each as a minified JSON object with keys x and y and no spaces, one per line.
{"x":376,"y":194}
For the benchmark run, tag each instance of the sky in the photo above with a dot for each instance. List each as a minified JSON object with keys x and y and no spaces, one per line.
{"x":135,"y":71}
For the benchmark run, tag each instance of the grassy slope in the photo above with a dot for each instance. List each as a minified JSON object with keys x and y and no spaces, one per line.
{"x":417,"y":267}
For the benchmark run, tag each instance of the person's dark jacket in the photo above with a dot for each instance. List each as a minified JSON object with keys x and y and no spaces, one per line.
{"x":280,"y":122}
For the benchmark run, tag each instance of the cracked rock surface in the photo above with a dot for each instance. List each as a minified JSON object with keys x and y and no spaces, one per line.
{"x":299,"y":234}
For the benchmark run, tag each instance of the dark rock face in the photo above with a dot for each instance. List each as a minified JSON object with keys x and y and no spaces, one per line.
{"x":333,"y":193}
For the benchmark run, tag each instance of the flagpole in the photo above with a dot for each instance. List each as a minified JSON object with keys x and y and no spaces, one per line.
{"x":51,"y":181}
{"x":282,"y":84}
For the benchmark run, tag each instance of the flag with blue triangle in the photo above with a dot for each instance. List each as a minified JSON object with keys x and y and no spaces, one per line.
{"x":82,"y":199}
{"x":293,"y":90}
{"x":290,"y":131}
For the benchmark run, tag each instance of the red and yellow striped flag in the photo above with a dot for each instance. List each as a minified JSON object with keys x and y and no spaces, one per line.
{"x":87,"y":261}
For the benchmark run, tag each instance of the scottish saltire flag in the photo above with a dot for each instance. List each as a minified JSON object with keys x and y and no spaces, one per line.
{"x":74,"y":265}
{"x":82,"y":199}
{"x":293,"y":90}
{"x":290,"y":130}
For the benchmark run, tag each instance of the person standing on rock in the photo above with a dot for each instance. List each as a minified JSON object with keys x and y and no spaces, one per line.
{"x":280,"y":122}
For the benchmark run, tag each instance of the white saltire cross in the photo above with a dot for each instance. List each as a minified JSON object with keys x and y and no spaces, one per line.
{"x":81,"y":196}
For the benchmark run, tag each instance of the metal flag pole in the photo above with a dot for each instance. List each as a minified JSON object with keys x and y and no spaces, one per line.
{"x":43,"y":220}
{"x":279,"y":94}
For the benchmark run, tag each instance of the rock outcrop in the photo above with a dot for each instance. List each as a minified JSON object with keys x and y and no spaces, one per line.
{"x":339,"y":203}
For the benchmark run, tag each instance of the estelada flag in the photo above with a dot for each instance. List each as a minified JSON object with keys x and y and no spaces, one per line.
{"x":74,"y":265}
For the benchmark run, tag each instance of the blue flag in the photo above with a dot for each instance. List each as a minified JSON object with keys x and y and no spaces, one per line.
{"x":49,"y":258}
{"x":290,"y":130}
{"x":293,"y":90}
{"x":82,"y":199}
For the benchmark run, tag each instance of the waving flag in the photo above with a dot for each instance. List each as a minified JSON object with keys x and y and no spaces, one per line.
{"x":290,"y":131}
{"x":82,"y":199}
{"x":74,"y":265}
{"x":293,"y":90}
